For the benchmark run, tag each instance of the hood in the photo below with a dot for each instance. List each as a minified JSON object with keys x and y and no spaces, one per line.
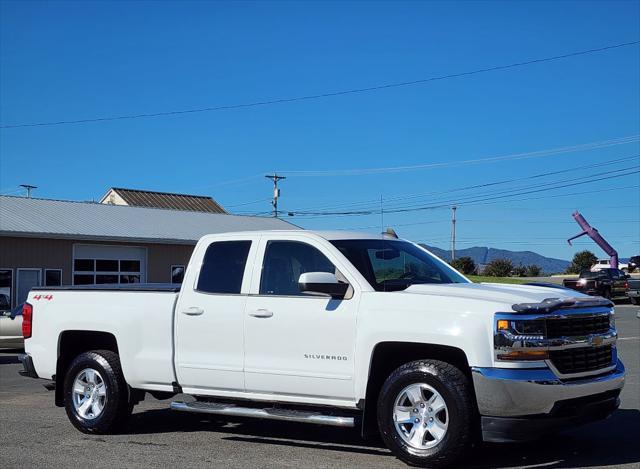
{"x":494,"y":292}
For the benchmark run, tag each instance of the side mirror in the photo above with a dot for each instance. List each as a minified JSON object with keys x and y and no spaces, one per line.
{"x":322,"y":283}
{"x":627,"y":276}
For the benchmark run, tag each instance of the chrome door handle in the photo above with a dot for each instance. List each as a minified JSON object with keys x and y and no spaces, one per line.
{"x":261,"y":313}
{"x":193,"y":311}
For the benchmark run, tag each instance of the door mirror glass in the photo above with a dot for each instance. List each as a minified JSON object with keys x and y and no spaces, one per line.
{"x":322,"y":283}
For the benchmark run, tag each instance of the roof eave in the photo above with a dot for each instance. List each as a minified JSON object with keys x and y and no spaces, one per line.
{"x":81,"y":237}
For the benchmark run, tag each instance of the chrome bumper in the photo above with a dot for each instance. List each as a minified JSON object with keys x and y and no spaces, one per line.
{"x":503,"y":392}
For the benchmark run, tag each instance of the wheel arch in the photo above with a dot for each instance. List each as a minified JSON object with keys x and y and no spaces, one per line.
{"x":71,"y":344}
{"x":387,"y":356}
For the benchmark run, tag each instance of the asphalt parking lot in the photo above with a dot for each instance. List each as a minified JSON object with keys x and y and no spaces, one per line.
{"x":35,"y":433}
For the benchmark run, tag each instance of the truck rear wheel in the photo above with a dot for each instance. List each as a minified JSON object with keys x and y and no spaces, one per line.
{"x":96,"y":393}
{"x":425,"y":413}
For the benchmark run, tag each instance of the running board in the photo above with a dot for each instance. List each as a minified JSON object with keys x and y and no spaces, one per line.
{"x":269,"y":413}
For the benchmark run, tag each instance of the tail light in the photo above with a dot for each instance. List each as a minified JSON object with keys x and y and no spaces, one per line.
{"x":27,"y":320}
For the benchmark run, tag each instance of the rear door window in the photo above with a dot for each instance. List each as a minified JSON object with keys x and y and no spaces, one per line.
{"x":223,"y":267}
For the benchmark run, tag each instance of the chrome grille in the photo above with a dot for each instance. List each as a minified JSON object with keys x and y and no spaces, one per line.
{"x":577,"y":326}
{"x":581,"y":360}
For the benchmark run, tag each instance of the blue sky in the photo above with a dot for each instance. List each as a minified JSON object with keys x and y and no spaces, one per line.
{"x":67,"y":61}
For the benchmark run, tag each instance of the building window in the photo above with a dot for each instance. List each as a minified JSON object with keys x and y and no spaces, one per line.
{"x":107,"y":265}
{"x":6,"y":289}
{"x":106,"y":271}
{"x":177,"y":273}
{"x":83,"y":279}
{"x":52,"y":277}
{"x":84,"y":264}
{"x":26,"y":279}
{"x":130,"y":266}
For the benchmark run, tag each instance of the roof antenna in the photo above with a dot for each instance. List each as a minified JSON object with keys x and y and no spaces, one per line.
{"x":390,"y":233}
{"x":29,"y":188}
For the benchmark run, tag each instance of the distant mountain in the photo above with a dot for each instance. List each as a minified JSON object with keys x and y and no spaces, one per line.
{"x":484,"y":255}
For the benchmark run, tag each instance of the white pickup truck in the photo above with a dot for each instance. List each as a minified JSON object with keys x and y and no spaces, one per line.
{"x":337,"y":329}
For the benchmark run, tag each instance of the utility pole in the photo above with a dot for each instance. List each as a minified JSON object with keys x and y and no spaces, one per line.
{"x":276,"y":192}
{"x":381,"y":216}
{"x":453,"y":232}
{"x":29,"y":188}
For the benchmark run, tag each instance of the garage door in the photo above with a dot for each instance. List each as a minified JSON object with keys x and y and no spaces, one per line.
{"x":98,"y":264}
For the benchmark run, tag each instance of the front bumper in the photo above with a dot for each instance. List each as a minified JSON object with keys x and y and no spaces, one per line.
{"x":514,"y":392}
{"x":27,"y":364}
{"x":508,"y":397}
{"x":565,"y":414}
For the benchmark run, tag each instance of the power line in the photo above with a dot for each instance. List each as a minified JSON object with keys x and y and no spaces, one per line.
{"x":327,"y":94}
{"x":449,"y":163}
{"x":482,"y":197}
{"x":442,"y":204}
{"x":528,"y":199}
{"x":372,"y":202}
{"x":519,"y":222}
{"x":399,"y":210}
{"x":246,"y":203}
{"x":464,"y":198}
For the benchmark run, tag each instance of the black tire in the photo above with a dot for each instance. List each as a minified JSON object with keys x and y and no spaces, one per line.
{"x":117,"y":406}
{"x":457,"y":392}
{"x":635,"y":300}
{"x":606,"y":293}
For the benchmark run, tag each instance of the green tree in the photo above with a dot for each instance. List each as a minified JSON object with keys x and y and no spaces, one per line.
{"x":464,"y":265}
{"x":533,"y":271}
{"x":581,"y":261}
{"x":520,"y":271}
{"x":498,"y":268}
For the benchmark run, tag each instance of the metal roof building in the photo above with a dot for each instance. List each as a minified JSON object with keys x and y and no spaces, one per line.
{"x":55,"y":242}
{"x":141,"y":198}
{"x":20,"y":216}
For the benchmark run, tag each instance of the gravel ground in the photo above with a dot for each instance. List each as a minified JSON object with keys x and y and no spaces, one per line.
{"x":35,"y":433}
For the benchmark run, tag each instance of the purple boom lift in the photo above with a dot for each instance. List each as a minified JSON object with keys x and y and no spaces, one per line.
{"x":595,"y":236}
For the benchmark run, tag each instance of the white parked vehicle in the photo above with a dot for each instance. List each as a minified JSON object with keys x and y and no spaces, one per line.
{"x":605,"y":264}
{"x":336,"y":329}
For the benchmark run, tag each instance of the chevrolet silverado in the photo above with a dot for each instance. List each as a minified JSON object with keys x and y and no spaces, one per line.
{"x":339,"y":329}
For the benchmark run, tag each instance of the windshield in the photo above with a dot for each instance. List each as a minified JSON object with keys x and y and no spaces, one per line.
{"x":395,"y":265}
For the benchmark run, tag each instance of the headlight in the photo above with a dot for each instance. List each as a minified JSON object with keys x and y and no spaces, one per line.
{"x":518,"y":340}
{"x":522,"y":327}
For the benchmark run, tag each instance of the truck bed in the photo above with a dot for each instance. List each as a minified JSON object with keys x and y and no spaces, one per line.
{"x":139,"y":317}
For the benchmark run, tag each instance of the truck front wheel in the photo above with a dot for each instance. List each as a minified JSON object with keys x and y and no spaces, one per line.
{"x":425,"y":413}
{"x":96,"y":393}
